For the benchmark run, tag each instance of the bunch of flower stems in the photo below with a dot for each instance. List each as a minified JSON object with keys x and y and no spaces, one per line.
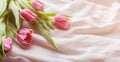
{"x":12,"y":15}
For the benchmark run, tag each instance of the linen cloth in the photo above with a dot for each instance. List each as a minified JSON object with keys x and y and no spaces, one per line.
{"x":94,"y":35}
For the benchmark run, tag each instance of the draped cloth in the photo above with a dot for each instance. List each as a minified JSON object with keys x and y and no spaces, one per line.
{"x":94,"y":35}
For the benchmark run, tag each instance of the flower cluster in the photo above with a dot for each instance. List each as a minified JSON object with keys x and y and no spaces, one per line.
{"x":14,"y":12}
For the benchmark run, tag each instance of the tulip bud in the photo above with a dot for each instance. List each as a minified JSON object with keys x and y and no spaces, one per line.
{"x":28,"y":15}
{"x":36,"y":4}
{"x":61,"y":22}
{"x":8,"y":44}
{"x":24,"y":36}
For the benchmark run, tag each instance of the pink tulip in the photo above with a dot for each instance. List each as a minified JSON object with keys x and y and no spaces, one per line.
{"x":61,"y":22}
{"x":8,"y":44}
{"x":28,"y":15}
{"x":36,"y":4}
{"x":25,"y":30}
{"x":24,"y":36}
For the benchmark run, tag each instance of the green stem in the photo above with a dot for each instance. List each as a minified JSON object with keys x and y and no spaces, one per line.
{"x":1,"y":58}
{"x":17,"y":43}
{"x":43,"y":32}
{"x":44,"y":24}
{"x":12,"y":30}
{"x":4,"y":54}
{"x":50,"y":13}
{"x":19,"y":8}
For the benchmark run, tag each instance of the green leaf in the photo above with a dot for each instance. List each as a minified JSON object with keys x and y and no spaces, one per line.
{"x":8,"y":26}
{"x":50,"y":13}
{"x":43,"y":32}
{"x":44,"y":24}
{"x":2,"y":26}
{"x":1,"y":58}
{"x":3,"y":6}
{"x":42,"y":15}
{"x":22,"y":4}
{"x":50,"y":24}
{"x":15,"y":11}
{"x":3,"y":51}
{"x":2,"y":35}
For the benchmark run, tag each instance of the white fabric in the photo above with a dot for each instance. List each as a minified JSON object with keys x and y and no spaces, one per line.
{"x":93,"y":37}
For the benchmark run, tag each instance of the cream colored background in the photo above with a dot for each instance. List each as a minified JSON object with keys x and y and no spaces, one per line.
{"x":93,"y":37}
{"x":104,"y":2}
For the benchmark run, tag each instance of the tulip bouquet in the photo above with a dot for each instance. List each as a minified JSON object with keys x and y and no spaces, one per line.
{"x":14,"y":12}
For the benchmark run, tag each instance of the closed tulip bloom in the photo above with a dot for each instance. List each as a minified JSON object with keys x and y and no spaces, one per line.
{"x":8,"y":44}
{"x":28,"y":15}
{"x":24,"y":36}
{"x":61,"y":22}
{"x":36,"y":4}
